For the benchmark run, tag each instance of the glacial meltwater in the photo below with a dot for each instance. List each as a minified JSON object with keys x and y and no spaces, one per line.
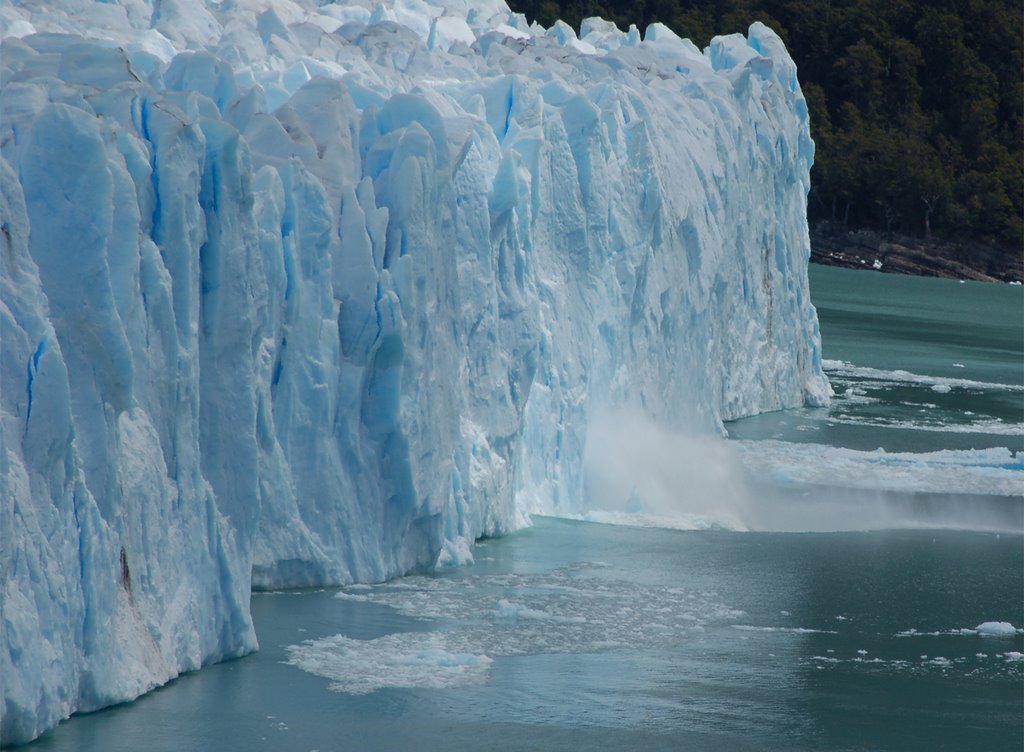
{"x":871,"y":597}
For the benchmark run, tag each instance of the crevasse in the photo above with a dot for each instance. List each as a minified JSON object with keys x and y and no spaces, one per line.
{"x":329,"y":290}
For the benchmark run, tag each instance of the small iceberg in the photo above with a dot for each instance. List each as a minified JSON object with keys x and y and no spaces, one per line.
{"x":996,"y":629}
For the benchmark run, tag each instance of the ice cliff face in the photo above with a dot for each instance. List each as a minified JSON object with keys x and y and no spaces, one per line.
{"x":310,"y":295}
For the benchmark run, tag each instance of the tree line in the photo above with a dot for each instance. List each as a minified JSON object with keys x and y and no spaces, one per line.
{"x":915,"y":108}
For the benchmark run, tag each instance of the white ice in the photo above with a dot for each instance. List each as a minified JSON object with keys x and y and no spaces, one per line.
{"x":416,"y":659}
{"x":985,"y":629}
{"x":843,"y":369}
{"x":996,"y":629}
{"x":996,"y":472}
{"x":296,"y":293}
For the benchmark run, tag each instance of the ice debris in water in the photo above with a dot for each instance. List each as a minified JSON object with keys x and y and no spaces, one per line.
{"x":996,"y":629}
{"x":569,"y":610}
{"x":300,"y":293}
{"x":992,"y":471}
{"x":985,"y":629}
{"x":455,"y":553}
{"x":399,"y":660}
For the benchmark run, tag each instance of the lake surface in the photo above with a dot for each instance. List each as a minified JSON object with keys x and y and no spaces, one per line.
{"x":605,"y":637}
{"x":917,"y":364}
{"x":881,"y":533}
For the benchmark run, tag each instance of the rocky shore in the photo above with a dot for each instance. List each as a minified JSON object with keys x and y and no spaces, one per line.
{"x":902,"y":254}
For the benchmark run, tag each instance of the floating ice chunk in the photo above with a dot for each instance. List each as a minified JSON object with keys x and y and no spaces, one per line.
{"x":942,"y":388}
{"x":996,"y":629}
{"x":408,"y":660}
{"x":455,"y":553}
{"x":354,"y":597}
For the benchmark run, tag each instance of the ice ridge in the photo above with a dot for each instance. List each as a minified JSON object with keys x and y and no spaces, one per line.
{"x":299,"y":294}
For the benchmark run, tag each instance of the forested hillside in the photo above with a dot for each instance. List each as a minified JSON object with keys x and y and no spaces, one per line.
{"x":916,"y":108}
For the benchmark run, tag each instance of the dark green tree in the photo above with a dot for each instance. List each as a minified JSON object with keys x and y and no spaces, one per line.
{"x":916,"y":109}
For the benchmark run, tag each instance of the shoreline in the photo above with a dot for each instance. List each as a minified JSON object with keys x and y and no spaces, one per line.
{"x":902,"y":254}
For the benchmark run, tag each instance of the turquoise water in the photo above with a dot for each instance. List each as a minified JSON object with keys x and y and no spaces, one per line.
{"x":574,"y":635}
{"x":616,"y":638}
{"x":926,"y":427}
{"x":917,"y":365}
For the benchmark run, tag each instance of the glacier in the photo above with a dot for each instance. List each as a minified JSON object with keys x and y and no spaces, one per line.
{"x":298,"y":294}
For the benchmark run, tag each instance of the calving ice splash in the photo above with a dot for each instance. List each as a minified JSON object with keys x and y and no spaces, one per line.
{"x":302,"y":294}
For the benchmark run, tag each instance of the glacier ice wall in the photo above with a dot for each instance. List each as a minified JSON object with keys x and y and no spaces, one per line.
{"x":299,"y":294}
